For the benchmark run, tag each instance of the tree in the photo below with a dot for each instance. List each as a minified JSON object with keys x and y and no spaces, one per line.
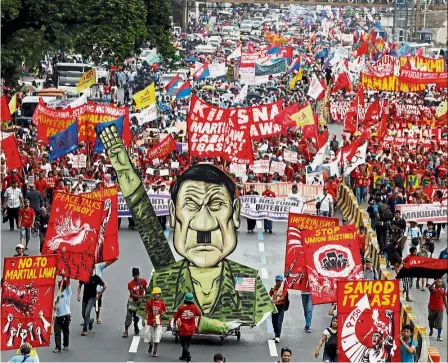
{"x":158,"y":21}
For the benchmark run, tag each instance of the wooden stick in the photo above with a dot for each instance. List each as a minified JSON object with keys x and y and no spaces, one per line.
{"x":55,"y":306}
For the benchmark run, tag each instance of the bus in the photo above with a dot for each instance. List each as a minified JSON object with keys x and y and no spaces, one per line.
{"x":67,"y":75}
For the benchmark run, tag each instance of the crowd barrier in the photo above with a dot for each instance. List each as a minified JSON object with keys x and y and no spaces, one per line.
{"x":355,"y":213}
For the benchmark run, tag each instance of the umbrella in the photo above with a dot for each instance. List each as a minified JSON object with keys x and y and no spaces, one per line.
{"x":254,"y":95}
{"x":209,"y":87}
{"x":259,"y":89}
{"x":235,"y":87}
{"x":28,"y":88}
{"x":220,"y":90}
{"x":271,"y":88}
{"x":190,"y":60}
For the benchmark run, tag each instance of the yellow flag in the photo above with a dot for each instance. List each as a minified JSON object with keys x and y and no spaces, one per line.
{"x":441,"y":110}
{"x":297,"y":77}
{"x":87,"y":80}
{"x":13,"y":104}
{"x":304,"y":117}
{"x":145,"y":97}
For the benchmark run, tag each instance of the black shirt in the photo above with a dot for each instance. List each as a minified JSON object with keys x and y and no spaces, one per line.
{"x":43,"y":221}
{"x":90,"y":288}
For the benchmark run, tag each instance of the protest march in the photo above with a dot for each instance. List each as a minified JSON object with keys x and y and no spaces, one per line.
{"x":196,"y":197}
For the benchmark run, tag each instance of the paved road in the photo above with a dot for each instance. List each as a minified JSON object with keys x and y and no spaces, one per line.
{"x":104,"y":342}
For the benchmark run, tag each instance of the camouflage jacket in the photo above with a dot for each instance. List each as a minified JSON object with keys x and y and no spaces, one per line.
{"x":230,"y":305}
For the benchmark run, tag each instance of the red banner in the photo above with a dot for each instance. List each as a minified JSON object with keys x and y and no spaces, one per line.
{"x":27,"y":300}
{"x":107,"y":248}
{"x":162,"y":149}
{"x":369,"y":321}
{"x":9,"y":147}
{"x":260,"y":119}
{"x":296,"y":275}
{"x":72,"y":234}
{"x":331,"y":255}
{"x":396,"y":142}
{"x":413,"y":77}
{"x":431,"y":192}
{"x":212,"y":134}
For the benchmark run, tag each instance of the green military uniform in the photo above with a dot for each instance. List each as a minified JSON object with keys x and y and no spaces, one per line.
{"x":229,"y":306}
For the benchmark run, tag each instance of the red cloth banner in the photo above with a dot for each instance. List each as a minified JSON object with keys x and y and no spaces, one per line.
{"x":9,"y":147}
{"x":107,"y":248}
{"x":211,"y":133}
{"x":260,"y":119}
{"x":421,"y":77}
{"x":162,"y":149}
{"x":4,"y":108}
{"x":416,"y":266}
{"x":72,"y":234}
{"x":397,"y":142}
{"x":369,"y":321}
{"x":27,"y":300}
{"x":296,"y":274}
{"x":331,"y":255}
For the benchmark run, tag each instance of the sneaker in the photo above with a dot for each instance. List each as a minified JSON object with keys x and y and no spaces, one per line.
{"x":154,"y":355}
{"x":270,"y":231}
{"x":277,"y":340}
{"x":84,"y":333}
{"x":65,"y":347}
{"x":440,"y":339}
{"x":125,"y":334}
{"x":308,"y":330}
{"x":91,"y":324}
{"x":56,"y":350}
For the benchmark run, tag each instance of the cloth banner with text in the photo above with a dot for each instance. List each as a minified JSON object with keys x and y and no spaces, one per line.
{"x":212,"y":134}
{"x":369,"y":321}
{"x":160,"y":203}
{"x":296,"y":274}
{"x":259,"y":207}
{"x":422,"y":213}
{"x":331,"y":255}
{"x":27,"y":300}
{"x":72,"y":234}
{"x":162,"y":149}
{"x":107,"y":248}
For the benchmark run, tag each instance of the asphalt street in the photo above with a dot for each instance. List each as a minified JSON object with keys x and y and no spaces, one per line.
{"x":104,"y":343}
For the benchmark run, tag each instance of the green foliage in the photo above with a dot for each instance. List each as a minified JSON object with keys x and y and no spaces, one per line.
{"x":159,"y":26}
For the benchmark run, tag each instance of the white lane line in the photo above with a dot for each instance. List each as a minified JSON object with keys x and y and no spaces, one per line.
{"x":134,"y":345}
{"x":264,"y":273}
{"x":272,"y":348}
{"x":261,"y":246}
{"x":259,"y":224}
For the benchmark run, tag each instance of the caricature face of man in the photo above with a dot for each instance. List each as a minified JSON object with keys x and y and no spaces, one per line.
{"x":204,"y":221}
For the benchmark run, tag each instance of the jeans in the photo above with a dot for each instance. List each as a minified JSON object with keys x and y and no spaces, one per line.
{"x":360,"y":192}
{"x":325,"y":213}
{"x":381,"y":234}
{"x":87,"y":307}
{"x":277,"y":320}
{"x":61,"y":325}
{"x":25,"y":235}
{"x":267,"y":225}
{"x":131,"y":316}
{"x":307,"y":309}
{"x":185,"y":343}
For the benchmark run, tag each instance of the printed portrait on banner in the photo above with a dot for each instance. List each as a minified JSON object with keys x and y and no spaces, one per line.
{"x":369,"y":321}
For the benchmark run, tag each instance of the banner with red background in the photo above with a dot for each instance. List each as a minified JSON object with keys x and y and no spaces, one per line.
{"x":27,"y":300}
{"x":296,"y":274}
{"x":107,"y":248}
{"x":331,"y":254}
{"x":368,"y":321}
{"x":162,"y":149}
{"x":72,"y":234}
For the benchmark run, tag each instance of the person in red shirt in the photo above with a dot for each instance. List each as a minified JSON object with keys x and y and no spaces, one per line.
{"x":13,"y":176}
{"x":269,"y":194}
{"x":154,"y":310}
{"x":361,"y":184}
{"x":437,"y":300}
{"x":137,"y":288}
{"x":187,"y":319}
{"x":26,"y":221}
{"x":41,"y":184}
{"x":362,"y":241}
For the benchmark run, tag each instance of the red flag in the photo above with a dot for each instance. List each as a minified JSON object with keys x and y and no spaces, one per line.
{"x":322,"y":138}
{"x":162,"y":149}
{"x":382,"y":128}
{"x":324,"y":86}
{"x":363,"y":49}
{"x":373,"y":112}
{"x":9,"y":146}
{"x":353,"y":147}
{"x":284,"y":117}
{"x":6,"y":115}
{"x":310,"y":131}
{"x":342,"y":82}
{"x":351,"y":117}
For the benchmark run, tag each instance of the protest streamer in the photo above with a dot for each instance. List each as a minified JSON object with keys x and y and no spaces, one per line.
{"x":87,"y":80}
{"x":331,"y":254}
{"x":296,"y":274}
{"x":368,"y":321}
{"x":9,"y":147}
{"x":107,"y":248}
{"x":27,"y":300}
{"x":162,"y":149}
{"x":72,"y":234}
{"x":159,"y":202}
{"x":426,"y":267}
{"x":422,"y":213}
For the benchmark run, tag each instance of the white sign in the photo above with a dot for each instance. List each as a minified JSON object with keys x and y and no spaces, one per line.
{"x":315,"y":178}
{"x":238,"y":169}
{"x":278,"y":167}
{"x":164,"y":172}
{"x":79,"y":161}
{"x":174,"y":165}
{"x":290,"y":156}
{"x":261,"y":166}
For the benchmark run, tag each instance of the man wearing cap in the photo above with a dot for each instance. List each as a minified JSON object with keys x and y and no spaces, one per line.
{"x":136,"y":287}
{"x":63,"y":314}
{"x":154,"y":310}
{"x":13,"y":200}
{"x":20,"y":251}
{"x":370,"y":272}
{"x":187,"y":319}
{"x":268,"y":193}
{"x":280,"y":298}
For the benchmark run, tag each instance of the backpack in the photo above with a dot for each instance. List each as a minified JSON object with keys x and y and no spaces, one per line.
{"x":398,"y":180}
{"x":370,"y":211}
{"x":331,"y":345}
{"x":385,"y":212}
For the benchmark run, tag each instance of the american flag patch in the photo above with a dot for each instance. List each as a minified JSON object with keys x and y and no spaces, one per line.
{"x":245,"y":284}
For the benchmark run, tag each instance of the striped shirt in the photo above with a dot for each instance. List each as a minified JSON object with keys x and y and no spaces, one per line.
{"x":13,"y":196}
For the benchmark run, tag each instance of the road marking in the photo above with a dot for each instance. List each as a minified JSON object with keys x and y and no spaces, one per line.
{"x":259,"y":224}
{"x":272,"y":348}
{"x":264,"y":273}
{"x":134,"y":345}
{"x":261,"y":246}
{"x":260,"y":236}
{"x":166,"y":232}
{"x":264,"y":260}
